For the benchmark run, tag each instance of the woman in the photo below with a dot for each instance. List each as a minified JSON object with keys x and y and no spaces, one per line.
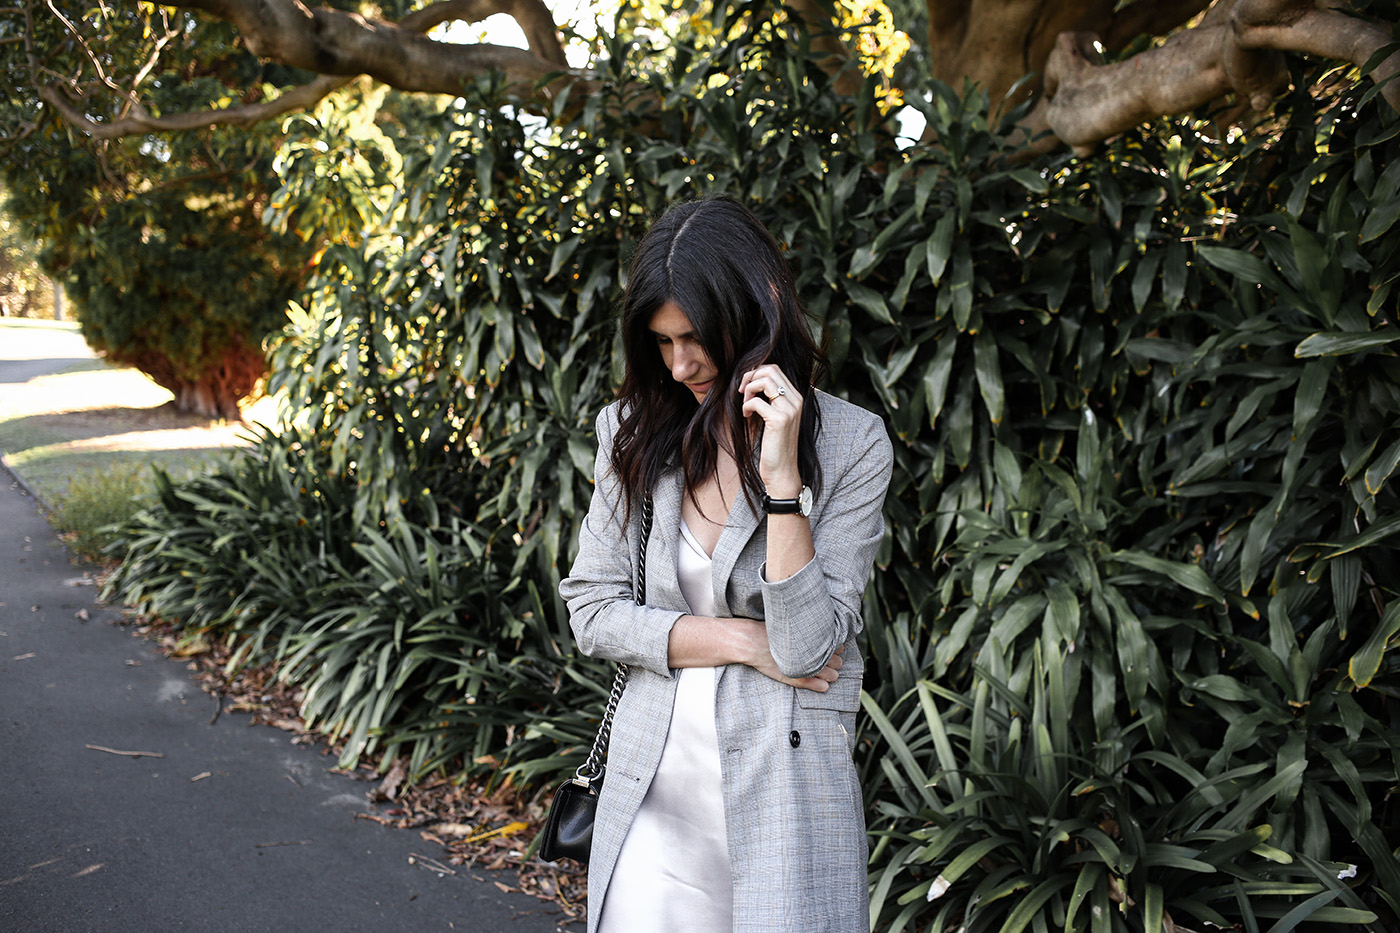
{"x":731,"y":801}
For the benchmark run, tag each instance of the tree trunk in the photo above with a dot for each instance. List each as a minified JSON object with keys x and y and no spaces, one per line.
{"x":217,"y":391}
{"x":208,"y":400}
{"x":57,"y":299}
{"x":996,"y":43}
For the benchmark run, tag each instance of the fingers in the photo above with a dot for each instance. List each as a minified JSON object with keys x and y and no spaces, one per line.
{"x":821,"y":681}
{"x":771,"y":385}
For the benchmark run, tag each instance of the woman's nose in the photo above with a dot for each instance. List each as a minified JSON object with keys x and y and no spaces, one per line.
{"x":682,"y":364}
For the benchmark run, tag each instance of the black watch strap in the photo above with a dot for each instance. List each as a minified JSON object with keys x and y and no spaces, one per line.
{"x":781,"y":506}
{"x":802,"y":505}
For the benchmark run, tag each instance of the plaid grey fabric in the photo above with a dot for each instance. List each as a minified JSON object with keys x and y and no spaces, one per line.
{"x":793,"y":812}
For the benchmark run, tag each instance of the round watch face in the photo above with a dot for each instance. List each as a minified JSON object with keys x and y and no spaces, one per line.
{"x":801,"y":505}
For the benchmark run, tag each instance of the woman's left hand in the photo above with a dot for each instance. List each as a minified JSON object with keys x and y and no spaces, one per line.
{"x":769,"y":394}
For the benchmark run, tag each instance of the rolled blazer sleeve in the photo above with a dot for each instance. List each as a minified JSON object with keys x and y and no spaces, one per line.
{"x":603,"y":613}
{"x":817,"y":609}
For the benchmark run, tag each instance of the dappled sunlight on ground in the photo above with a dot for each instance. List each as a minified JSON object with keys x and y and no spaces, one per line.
{"x":86,"y":390}
{"x":91,"y":418}
{"x":195,"y":438}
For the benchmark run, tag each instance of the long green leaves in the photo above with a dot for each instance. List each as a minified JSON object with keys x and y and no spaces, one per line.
{"x":1131,"y":646}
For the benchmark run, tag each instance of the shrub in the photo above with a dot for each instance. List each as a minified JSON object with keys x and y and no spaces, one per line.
{"x":1129,"y":638}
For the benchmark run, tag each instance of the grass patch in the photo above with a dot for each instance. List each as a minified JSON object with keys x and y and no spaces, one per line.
{"x":85,"y":438}
{"x":86,"y":512}
{"x":55,"y":429}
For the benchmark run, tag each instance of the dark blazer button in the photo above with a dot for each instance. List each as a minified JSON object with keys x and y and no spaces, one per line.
{"x":795,"y":738}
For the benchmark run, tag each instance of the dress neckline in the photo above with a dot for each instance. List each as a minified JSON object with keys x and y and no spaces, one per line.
{"x":689,"y":537}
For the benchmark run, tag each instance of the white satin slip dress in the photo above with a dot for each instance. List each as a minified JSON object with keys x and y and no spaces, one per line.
{"x":672,"y":873}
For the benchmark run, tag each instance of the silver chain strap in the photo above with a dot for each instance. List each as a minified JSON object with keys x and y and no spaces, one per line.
{"x":592,"y":769}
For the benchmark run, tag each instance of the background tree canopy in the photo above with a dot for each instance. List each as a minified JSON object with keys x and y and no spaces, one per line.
{"x":144,"y":228}
{"x":1132,"y":633}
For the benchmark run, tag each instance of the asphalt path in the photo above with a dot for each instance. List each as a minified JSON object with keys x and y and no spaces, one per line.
{"x":27,"y":352}
{"x":232,"y":828}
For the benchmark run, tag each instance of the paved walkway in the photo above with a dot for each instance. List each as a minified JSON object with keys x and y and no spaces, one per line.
{"x":233,"y":829}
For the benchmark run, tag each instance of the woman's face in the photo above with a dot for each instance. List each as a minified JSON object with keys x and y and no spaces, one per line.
{"x":681,"y":350}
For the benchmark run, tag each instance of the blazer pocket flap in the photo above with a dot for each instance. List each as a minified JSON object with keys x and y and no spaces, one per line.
{"x":844,"y":696}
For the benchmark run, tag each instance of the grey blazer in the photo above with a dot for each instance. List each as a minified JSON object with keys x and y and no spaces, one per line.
{"x":793,"y":814}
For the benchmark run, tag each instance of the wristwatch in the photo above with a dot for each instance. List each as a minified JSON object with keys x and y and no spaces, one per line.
{"x":802,"y":505}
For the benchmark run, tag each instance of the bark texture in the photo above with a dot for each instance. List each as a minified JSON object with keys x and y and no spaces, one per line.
{"x":220,"y":388}
{"x":996,"y":43}
{"x":334,"y":42}
{"x":1228,"y":50}
{"x":1235,"y":52}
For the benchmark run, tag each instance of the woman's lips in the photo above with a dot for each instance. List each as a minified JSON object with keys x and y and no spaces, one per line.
{"x":700,"y":388}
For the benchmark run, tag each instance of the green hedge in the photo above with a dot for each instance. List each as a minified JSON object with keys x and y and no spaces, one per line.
{"x":1129,"y":635}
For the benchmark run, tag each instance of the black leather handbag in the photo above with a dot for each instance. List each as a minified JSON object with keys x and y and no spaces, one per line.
{"x":568,"y":831}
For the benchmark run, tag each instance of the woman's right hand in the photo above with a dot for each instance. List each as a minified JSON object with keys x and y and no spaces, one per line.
{"x":707,"y":642}
{"x":820,"y":682}
{"x":760,"y":659}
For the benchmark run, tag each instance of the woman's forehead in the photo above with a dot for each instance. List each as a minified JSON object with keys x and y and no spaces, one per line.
{"x":670,"y":321}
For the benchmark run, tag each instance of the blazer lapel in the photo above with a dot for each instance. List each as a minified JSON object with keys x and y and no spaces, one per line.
{"x":663,"y":587}
{"x":738,"y":529}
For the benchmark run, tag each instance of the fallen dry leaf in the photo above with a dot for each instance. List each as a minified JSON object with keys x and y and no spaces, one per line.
{"x":23,"y":657}
{"x":81,"y":614}
{"x":510,"y":829}
{"x":389,"y":787}
{"x":191,"y":649}
{"x":201,"y":776}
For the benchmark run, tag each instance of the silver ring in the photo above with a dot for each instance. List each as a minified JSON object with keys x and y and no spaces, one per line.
{"x":782,"y":391}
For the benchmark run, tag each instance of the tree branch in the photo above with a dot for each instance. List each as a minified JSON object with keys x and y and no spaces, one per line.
{"x":154,"y":58}
{"x":996,"y":43}
{"x":541,"y":32}
{"x":1236,"y":49}
{"x":333,"y":42}
{"x":1324,"y":33}
{"x":139,"y":121}
{"x":87,"y":51}
{"x":340,"y":46}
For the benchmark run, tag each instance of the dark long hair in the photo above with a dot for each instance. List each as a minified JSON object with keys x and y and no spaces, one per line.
{"x":720,"y":265}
